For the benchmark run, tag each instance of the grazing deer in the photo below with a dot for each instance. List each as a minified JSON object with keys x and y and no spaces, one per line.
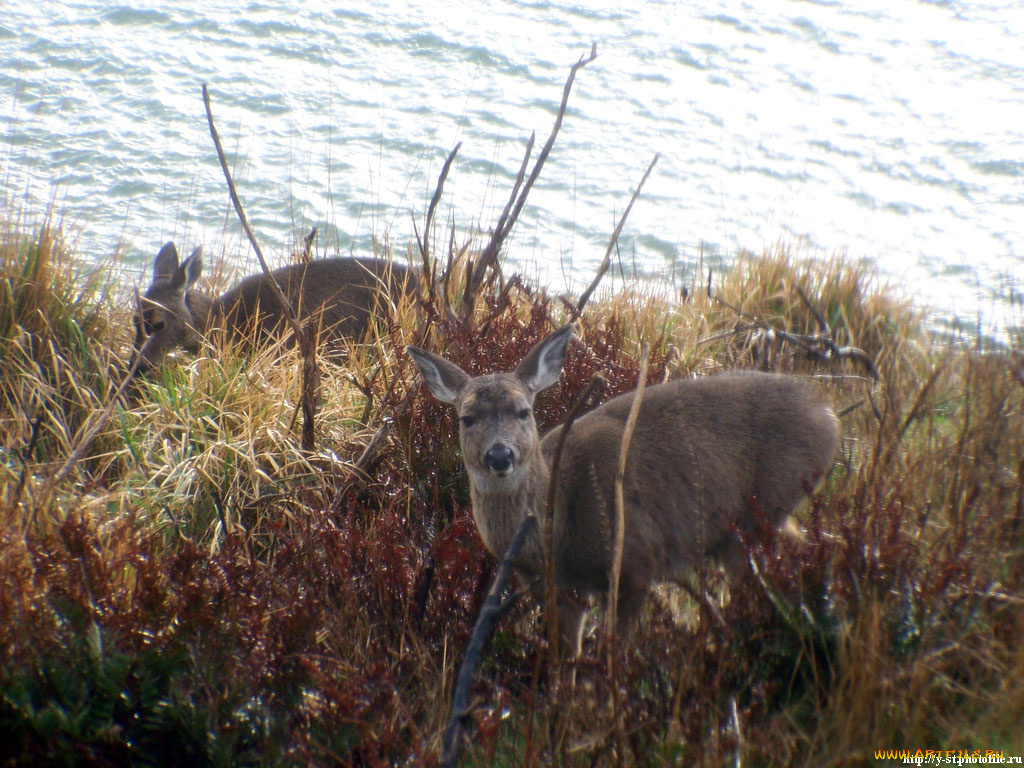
{"x":704,"y":455}
{"x":343,"y":291}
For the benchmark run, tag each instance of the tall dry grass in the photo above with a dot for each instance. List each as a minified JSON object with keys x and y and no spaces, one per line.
{"x":200,"y":590}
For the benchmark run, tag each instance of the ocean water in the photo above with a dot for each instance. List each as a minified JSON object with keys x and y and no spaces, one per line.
{"x":887,"y":130}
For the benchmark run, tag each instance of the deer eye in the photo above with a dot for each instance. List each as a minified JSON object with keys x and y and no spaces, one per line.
{"x":467,"y":421}
{"x":148,"y":325}
{"x":524,"y":414}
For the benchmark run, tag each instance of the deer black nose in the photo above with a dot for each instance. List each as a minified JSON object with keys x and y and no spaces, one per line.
{"x":499,"y":459}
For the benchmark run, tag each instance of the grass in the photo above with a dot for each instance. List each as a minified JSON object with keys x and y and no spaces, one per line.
{"x":199,"y":590}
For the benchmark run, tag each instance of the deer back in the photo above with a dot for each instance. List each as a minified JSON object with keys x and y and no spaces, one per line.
{"x":342,"y":293}
{"x":705,"y":455}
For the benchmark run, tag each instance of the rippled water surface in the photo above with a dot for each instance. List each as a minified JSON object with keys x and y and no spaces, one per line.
{"x":887,"y":129}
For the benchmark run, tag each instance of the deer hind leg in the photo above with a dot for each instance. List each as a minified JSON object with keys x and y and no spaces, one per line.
{"x":631,"y":601}
{"x":571,"y":613}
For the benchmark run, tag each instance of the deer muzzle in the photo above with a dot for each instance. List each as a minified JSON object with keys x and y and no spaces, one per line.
{"x":500,"y":459}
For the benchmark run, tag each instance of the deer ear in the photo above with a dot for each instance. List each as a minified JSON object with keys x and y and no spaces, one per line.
{"x":543,"y":365}
{"x":445,"y":379}
{"x":190,"y":269}
{"x":166,"y":262}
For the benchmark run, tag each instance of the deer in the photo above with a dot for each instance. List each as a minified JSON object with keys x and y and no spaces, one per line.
{"x":344,"y":292}
{"x":710,"y":457}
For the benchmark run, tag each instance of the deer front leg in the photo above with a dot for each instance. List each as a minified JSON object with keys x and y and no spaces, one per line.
{"x":571,"y":612}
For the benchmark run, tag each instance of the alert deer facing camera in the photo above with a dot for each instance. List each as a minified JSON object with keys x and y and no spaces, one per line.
{"x":704,"y":455}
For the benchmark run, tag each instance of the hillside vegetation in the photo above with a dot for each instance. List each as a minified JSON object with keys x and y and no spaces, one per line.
{"x":197,"y":590}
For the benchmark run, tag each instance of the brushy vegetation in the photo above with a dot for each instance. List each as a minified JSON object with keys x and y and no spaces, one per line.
{"x":200,"y":591}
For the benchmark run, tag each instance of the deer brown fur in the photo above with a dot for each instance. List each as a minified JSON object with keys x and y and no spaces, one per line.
{"x":343,"y":291}
{"x":705,"y":454}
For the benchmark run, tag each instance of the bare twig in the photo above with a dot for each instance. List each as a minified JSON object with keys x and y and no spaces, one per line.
{"x":368,"y":456}
{"x":606,"y":262}
{"x":918,"y":403}
{"x":546,"y":150}
{"x":1018,"y":374}
{"x":822,"y":323}
{"x":820,"y":346}
{"x":274,"y":287}
{"x":850,"y":409}
{"x":304,"y":336}
{"x":425,"y":244}
{"x":307,"y":245}
{"x":492,"y":607}
{"x":25,"y":456}
{"x":737,"y":728}
{"x":489,"y":256}
{"x":620,"y":502}
{"x":369,"y":453}
{"x":504,"y":225}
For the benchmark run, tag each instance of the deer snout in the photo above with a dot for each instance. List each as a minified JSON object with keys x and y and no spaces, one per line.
{"x":500,"y":459}
{"x":140,"y":368}
{"x":143,"y":355}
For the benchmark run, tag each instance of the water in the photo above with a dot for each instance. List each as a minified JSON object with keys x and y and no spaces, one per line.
{"x":890,"y":130}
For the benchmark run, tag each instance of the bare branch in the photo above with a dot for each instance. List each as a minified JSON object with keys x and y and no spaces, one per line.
{"x":542,"y":158}
{"x":504,"y":226}
{"x":26,"y":454}
{"x":819,"y":346}
{"x":424,"y":245}
{"x":489,"y":256}
{"x":304,"y":337}
{"x":822,"y":323}
{"x":492,"y":608}
{"x":915,"y":409}
{"x":620,"y":502}
{"x":606,"y":262}
{"x":369,"y":453}
{"x":275,"y":288}
{"x":307,"y":245}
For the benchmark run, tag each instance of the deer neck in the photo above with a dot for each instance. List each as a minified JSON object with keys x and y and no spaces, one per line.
{"x":200,"y":307}
{"x":498,"y":512}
